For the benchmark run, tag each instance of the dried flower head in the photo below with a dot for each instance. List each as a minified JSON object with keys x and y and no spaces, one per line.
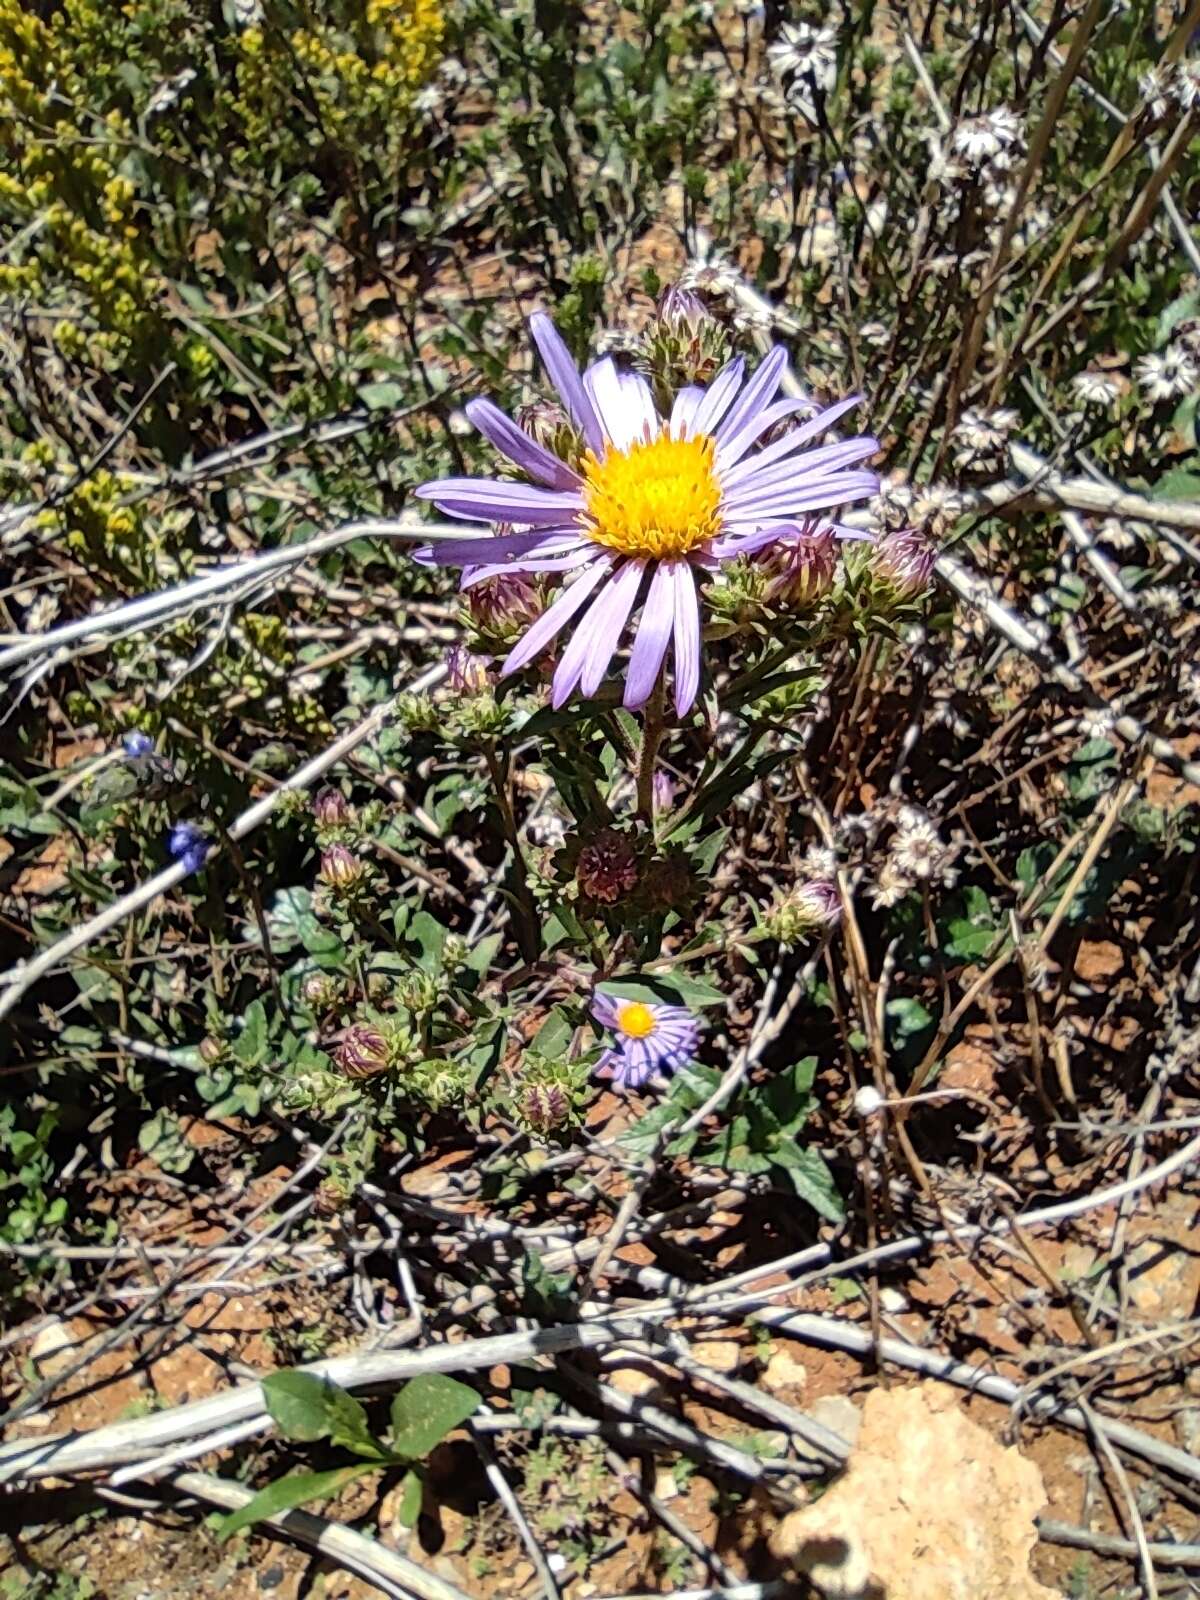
{"x":607,"y":867}
{"x":1095,"y":388}
{"x":983,"y":138}
{"x":1167,"y":375}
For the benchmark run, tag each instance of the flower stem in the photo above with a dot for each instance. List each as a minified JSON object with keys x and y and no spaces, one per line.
{"x":653,"y":728}
{"x":528,"y":936}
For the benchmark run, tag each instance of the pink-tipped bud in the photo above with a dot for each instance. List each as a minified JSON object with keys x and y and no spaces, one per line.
{"x":341,"y":868}
{"x":814,"y":907}
{"x":544,"y":1106}
{"x":663,"y":791}
{"x":330,"y":808}
{"x":903,"y":562}
{"x":363,"y":1052}
{"x":503,"y":605}
{"x":319,"y":991}
{"x":800,"y":570}
{"x":467,"y":673}
{"x":607,"y":867}
{"x":677,"y":304}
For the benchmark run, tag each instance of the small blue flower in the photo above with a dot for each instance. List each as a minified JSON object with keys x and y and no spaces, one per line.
{"x":650,"y":1039}
{"x":137,"y":745}
{"x":189,"y":845}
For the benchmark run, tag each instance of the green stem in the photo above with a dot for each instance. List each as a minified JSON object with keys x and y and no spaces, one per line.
{"x":527,"y":918}
{"x":653,"y":729}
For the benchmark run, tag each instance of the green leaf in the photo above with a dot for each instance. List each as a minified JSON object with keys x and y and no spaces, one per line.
{"x":382,"y":396}
{"x":305,"y":1407}
{"x":544,"y":1293}
{"x":250,"y":1047}
{"x":689,"y":1089}
{"x":811,"y":1179}
{"x":410,"y":1500}
{"x":286,"y":1493}
{"x":161,"y":1138}
{"x":554,"y":1035}
{"x":429,"y":936}
{"x":426,"y":1410}
{"x":672,"y":989}
{"x":1181,"y":483}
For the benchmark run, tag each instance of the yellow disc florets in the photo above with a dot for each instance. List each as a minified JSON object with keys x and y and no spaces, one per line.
{"x":635,"y":1020}
{"x":658,"y":499}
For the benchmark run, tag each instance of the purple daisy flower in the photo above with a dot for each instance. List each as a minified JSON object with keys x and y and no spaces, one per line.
{"x":650,"y":1039}
{"x":651,"y":502}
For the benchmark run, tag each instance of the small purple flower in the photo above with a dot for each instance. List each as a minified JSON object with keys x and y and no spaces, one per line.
{"x":903,"y":560}
{"x":136,"y":745}
{"x":189,"y":845}
{"x":652,"y":503}
{"x":650,"y":1039}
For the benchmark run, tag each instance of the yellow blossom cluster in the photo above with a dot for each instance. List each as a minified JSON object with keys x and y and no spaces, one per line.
{"x":360,"y":69}
{"x":77,"y":241}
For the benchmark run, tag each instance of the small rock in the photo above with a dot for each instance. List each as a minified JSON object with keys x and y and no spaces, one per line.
{"x":54,"y":1349}
{"x":839,"y":1414}
{"x":893,"y":1301}
{"x":632,"y":1380}
{"x":665,"y":1487}
{"x":1186,"y":1423}
{"x":722,"y":1355}
{"x":783,"y":1371}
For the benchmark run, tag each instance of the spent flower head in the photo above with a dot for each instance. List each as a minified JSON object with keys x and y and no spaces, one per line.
{"x":607,"y":867}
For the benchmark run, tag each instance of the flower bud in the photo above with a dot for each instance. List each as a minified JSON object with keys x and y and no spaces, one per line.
{"x":504,"y":606}
{"x":341,"y":868}
{"x":902,"y":563}
{"x":801,"y":569}
{"x":607,"y":867}
{"x":363,"y":1052}
{"x":136,"y":745}
{"x":663,"y":791}
{"x":466,"y":673}
{"x":544,"y":1107}
{"x":330,"y":808}
{"x":810,"y":908}
{"x":677,"y":304}
{"x":211,"y":1051}
{"x":319,"y":991}
{"x":549,"y":425}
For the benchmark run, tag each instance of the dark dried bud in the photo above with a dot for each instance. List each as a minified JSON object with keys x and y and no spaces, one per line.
{"x":607,"y":867}
{"x":341,"y":868}
{"x":363,"y":1052}
{"x":330,"y":808}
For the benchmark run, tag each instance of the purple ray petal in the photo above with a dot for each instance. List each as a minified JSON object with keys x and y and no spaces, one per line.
{"x":684,"y":409}
{"x":623,"y":402}
{"x":504,"y":569}
{"x":596,"y":635}
{"x":810,"y":467}
{"x":650,"y":643}
{"x":838,"y":489}
{"x":564,"y":375}
{"x":756,"y":396}
{"x":718,"y":397}
{"x":604,"y":1009}
{"x":515,"y":443}
{"x":555,"y":617}
{"x":493,"y":500}
{"x":734,"y":445}
{"x":747,"y":544}
{"x":687,"y":638}
{"x":792,"y":440}
{"x":606,"y":632}
{"x":465,"y":552}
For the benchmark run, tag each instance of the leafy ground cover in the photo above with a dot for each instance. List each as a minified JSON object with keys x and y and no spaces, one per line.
{"x":673,"y":1068}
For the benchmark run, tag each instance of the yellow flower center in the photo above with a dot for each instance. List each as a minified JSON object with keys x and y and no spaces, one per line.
{"x":636,"y":1020}
{"x":658,"y":499}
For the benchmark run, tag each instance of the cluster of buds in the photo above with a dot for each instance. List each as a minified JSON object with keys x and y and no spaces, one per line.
{"x":684,"y":345}
{"x":810,"y":908}
{"x":470,"y":681}
{"x":418,"y":713}
{"x":418,"y":991}
{"x":437,"y":1082}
